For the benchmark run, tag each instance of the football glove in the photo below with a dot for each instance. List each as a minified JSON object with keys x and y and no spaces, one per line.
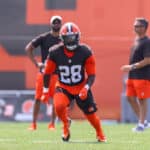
{"x":84,"y":92}
{"x":45,"y":96}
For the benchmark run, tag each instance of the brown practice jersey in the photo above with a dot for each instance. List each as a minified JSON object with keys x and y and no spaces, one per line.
{"x":72,"y":70}
{"x":140,"y":50}
{"x":45,"y":41}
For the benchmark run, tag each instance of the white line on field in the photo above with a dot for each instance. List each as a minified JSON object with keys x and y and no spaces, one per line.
{"x":12,"y":140}
{"x":7,"y":140}
{"x":44,"y":141}
{"x":126,"y":142}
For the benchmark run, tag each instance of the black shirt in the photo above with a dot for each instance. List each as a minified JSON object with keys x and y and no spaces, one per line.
{"x":45,"y":41}
{"x":71,"y":69}
{"x":140,"y":50}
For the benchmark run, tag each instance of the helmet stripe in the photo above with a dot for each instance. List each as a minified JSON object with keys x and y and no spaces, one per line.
{"x":69,"y":28}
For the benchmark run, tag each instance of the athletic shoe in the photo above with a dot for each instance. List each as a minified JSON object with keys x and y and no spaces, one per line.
{"x":146,"y":125}
{"x":66,"y":136}
{"x":66,"y":132}
{"x":51,"y":126}
{"x":101,"y":138}
{"x":138,"y":128}
{"x":32,"y":127}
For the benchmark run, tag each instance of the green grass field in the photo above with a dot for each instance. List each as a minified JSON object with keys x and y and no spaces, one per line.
{"x":15,"y":136}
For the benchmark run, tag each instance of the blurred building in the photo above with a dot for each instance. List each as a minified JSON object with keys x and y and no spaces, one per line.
{"x":106,"y":25}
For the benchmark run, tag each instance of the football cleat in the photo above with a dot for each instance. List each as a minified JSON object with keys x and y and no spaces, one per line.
{"x":66,"y":132}
{"x":32,"y":127}
{"x":51,"y":126}
{"x":101,"y":138}
{"x":138,"y":128}
{"x":146,"y":125}
{"x":66,"y":137}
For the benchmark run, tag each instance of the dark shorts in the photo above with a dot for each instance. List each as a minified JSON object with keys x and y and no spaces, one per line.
{"x":87,"y":106}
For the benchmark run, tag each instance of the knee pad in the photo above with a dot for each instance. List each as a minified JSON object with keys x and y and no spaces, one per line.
{"x":88,"y":106}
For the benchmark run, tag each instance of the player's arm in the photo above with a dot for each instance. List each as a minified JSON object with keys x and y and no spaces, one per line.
{"x":137,"y":65}
{"x":29,"y":50}
{"x":145,"y":61}
{"x":50,"y":67}
{"x":142,"y":63}
{"x":30,"y":47}
{"x":90,"y":70}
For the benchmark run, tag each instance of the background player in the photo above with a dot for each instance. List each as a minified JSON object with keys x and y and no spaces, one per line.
{"x":138,"y":83}
{"x":44,"y":41}
{"x":72,"y":61}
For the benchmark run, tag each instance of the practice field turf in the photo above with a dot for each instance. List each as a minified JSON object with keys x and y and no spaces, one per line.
{"x":15,"y":136}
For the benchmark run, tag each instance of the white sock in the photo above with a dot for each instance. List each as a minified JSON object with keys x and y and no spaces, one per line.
{"x":141,"y":125}
{"x":145,"y":121}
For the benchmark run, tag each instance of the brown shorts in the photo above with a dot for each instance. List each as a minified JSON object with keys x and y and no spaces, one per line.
{"x":138,"y":88}
{"x":39,"y":85}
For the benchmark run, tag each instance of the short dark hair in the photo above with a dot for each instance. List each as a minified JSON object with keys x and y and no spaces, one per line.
{"x":143,"y":21}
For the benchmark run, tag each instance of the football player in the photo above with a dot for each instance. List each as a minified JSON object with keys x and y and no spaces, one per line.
{"x":75,"y":65}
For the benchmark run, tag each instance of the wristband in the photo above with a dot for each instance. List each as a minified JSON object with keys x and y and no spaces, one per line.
{"x":133,"y":67}
{"x":87,"y":86}
{"x":45,"y":90}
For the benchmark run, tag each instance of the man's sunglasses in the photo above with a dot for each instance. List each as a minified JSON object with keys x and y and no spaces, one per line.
{"x":139,"y":26}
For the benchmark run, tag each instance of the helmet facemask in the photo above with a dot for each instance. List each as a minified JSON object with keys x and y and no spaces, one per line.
{"x":70,"y":41}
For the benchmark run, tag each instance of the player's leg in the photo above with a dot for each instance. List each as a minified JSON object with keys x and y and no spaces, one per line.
{"x":142,"y":88}
{"x":53,"y":81}
{"x":143,"y":110}
{"x":89,"y":108}
{"x":134,"y":104}
{"x":132,"y":97}
{"x":96,"y":123}
{"x":61,"y":102}
{"x":51,"y":125}
{"x":36,"y":108}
